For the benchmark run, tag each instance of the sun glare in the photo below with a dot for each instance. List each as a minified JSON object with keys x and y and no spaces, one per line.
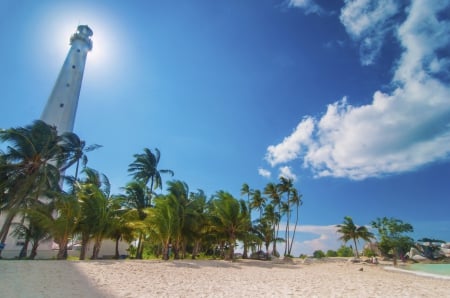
{"x":62,"y":21}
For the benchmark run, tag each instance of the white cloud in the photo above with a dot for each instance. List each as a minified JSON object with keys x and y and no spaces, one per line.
{"x":290,"y":148}
{"x":326,"y":237}
{"x":367,"y":22}
{"x":309,"y":6}
{"x":265,"y":173}
{"x":398,"y":131}
{"x":286,"y":172}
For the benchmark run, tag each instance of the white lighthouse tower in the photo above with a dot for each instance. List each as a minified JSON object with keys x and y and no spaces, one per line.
{"x":61,"y":106}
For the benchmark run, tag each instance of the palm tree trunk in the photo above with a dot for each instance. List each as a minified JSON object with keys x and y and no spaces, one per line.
{"x":356,"y":248}
{"x":138,"y":249}
{"x":62,"y":252}
{"x":293,"y":233}
{"x":116,"y":255}
{"x":24,"y":249}
{"x":84,"y":243}
{"x":5,"y":228}
{"x":34,"y":248}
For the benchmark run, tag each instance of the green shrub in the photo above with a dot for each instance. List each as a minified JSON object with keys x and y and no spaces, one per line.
{"x":331,"y":253}
{"x":345,"y":251}
{"x":318,"y":254}
{"x":369,"y":253}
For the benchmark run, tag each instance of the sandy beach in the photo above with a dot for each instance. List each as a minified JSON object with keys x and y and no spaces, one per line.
{"x":133,"y":278}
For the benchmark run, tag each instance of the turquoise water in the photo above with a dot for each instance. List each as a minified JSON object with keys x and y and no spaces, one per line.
{"x":441,"y":269}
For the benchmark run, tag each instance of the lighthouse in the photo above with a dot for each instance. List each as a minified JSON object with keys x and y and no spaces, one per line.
{"x":61,"y":106}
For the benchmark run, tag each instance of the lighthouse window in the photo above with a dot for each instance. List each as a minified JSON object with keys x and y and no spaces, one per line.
{"x":73,"y":66}
{"x":78,"y":50}
{"x":67,"y":85}
{"x":61,"y":105}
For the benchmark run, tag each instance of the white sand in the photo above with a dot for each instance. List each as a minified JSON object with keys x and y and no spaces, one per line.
{"x":132,"y":278}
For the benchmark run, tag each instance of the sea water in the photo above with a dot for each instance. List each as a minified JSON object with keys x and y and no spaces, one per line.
{"x":439,"y":269}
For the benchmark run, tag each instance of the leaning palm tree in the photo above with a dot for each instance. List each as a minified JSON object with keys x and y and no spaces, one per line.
{"x":61,"y":227}
{"x":74,"y":150}
{"x":350,"y":231}
{"x":31,"y":166}
{"x":145,"y":168}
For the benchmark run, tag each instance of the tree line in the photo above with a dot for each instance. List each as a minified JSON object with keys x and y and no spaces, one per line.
{"x":40,"y":201}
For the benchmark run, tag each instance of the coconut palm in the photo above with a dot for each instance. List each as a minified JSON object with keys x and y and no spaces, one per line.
{"x":163,"y":221}
{"x":350,"y":231}
{"x":30,"y":164}
{"x":31,"y":232}
{"x":272,"y":191}
{"x":229,"y":217}
{"x":97,"y":209}
{"x":285,"y":187}
{"x":145,"y":168}
{"x":137,"y":199}
{"x":179,"y":194}
{"x":295,"y":199}
{"x":258,"y":201}
{"x":245,"y":190}
{"x":62,"y":226}
{"x":74,"y":150}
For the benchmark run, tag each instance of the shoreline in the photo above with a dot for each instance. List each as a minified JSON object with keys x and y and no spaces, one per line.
{"x":211,"y":278}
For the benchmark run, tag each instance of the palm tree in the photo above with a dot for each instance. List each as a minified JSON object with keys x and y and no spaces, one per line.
{"x":74,"y":149}
{"x":179,"y":193}
{"x":245,"y":190}
{"x":145,"y":168}
{"x":31,"y":166}
{"x":229,"y":217}
{"x":97,"y":209}
{"x":285,"y":187}
{"x":258,"y":202}
{"x":272,"y":191}
{"x":350,"y":231}
{"x":137,"y":198}
{"x":296,"y":200}
{"x":30,"y":230}
{"x":163,"y":221}
{"x":61,"y":227}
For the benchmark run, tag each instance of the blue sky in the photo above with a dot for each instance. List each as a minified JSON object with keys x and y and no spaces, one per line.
{"x":349,"y":98}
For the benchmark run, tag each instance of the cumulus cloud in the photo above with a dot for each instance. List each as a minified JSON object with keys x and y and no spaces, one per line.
{"x":398,"y":131}
{"x":308,"y":6}
{"x":286,"y":172}
{"x":265,"y":173}
{"x":368,"y":22}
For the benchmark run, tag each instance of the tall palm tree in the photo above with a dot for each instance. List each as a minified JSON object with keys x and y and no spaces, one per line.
{"x":272,"y":191}
{"x":144,"y":168}
{"x":350,"y":231}
{"x":245,"y":190}
{"x":296,"y":199}
{"x":285,"y":187}
{"x":258,"y":202}
{"x":31,"y":165}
